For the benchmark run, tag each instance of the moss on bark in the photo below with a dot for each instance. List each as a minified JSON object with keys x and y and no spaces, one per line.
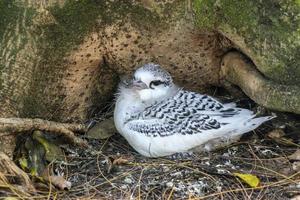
{"x":267,"y":31}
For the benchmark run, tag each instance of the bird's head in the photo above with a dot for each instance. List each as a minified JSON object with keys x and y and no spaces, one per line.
{"x":150,"y":83}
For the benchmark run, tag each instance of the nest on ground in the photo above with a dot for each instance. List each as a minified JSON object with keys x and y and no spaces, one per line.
{"x":111,"y":169}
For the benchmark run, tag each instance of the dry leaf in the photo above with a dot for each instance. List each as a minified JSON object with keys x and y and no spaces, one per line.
{"x":296,"y":166}
{"x":276,"y":133}
{"x":297,"y":197}
{"x":102,"y":130}
{"x":250,"y":179}
{"x":120,"y":161}
{"x":278,"y":136}
{"x":60,"y":182}
{"x":295,"y":155}
{"x":116,"y":160}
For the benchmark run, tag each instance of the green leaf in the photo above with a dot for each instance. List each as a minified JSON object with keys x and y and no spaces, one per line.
{"x":23,"y":163}
{"x":53,"y":152}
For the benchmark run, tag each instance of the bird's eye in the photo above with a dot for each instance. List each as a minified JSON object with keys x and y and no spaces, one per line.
{"x":155,"y":83}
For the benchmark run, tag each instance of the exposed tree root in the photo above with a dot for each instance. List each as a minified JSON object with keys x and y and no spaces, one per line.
{"x":17,"y":125}
{"x":237,"y":70}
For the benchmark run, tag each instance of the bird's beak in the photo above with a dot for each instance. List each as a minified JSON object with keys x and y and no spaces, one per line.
{"x":138,"y":84}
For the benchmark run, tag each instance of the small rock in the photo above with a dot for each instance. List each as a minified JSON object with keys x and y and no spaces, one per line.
{"x":165,"y":169}
{"x":169,"y":184}
{"x":177,"y":174}
{"x":124,"y":187}
{"x":128,"y":180}
{"x":267,"y":152}
{"x":276,"y":133}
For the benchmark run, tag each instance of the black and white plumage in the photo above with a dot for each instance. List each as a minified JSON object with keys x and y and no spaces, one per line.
{"x":158,"y":119}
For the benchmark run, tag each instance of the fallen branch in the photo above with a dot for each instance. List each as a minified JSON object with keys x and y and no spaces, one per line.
{"x":238,"y":71}
{"x":17,"y":125}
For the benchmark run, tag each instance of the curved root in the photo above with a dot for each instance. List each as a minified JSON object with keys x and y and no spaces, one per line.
{"x":17,"y":125}
{"x":237,"y":70}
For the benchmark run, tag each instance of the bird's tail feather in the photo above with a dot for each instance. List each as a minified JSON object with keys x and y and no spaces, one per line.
{"x":238,"y":127}
{"x":255,"y":122}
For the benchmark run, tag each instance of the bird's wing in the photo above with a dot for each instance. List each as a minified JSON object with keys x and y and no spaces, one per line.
{"x":205,"y":104}
{"x":185,"y":113}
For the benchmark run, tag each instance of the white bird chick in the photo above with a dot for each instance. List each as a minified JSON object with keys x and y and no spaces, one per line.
{"x":159,"y":119}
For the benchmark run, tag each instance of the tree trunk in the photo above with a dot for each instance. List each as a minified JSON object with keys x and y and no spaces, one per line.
{"x":61,"y":59}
